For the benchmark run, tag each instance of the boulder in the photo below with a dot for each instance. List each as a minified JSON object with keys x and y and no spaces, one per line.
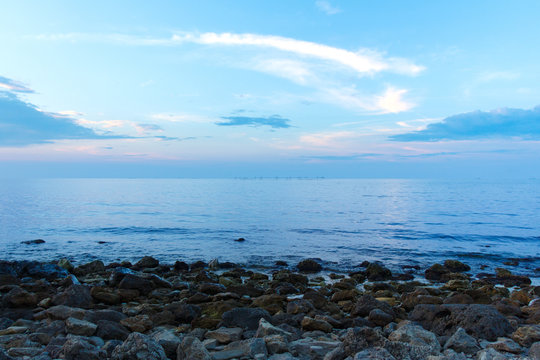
{"x":74,"y":296}
{"x":310,"y":324}
{"x":191,"y":348}
{"x":462,"y":342}
{"x":415,"y":335}
{"x":377,"y":272}
{"x":18,"y":297}
{"x":225,"y":335}
{"x":366,"y":303}
{"x":245,"y":318}
{"x":110,"y":330}
{"x":527,"y":335}
{"x":146,"y":262}
{"x":456,"y":266}
{"x":309,"y":266}
{"x":78,"y":348}
{"x":80,"y":327}
{"x":138,"y":346}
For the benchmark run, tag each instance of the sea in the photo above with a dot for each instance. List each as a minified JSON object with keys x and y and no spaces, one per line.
{"x":342,"y":222}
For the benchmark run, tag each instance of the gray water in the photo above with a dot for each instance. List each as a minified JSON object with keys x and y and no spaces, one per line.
{"x":341,"y":221}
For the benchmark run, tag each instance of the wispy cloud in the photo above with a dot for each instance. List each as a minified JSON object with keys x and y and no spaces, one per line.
{"x":274,"y":121}
{"x":326,"y":7}
{"x":181,"y":118}
{"x":14,"y":86}
{"x":326,"y":138}
{"x":391,"y":101}
{"x":480,"y":125}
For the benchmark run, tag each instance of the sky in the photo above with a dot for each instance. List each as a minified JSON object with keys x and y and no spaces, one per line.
{"x":269,"y":88}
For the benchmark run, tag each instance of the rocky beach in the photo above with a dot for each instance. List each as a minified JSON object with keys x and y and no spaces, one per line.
{"x":220,"y":311}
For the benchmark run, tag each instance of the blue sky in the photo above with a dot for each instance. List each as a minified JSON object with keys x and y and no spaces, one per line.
{"x":276,"y":88}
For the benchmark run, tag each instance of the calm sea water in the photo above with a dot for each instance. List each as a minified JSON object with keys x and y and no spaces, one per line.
{"x":340,"y":221}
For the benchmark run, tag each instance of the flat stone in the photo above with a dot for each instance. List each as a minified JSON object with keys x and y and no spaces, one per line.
{"x":225,"y":335}
{"x":80,"y":327}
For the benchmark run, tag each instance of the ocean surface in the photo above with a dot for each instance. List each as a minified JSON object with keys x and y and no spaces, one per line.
{"x":341,"y":221}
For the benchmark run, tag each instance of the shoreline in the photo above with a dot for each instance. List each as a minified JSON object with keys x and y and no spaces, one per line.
{"x":287,"y":311}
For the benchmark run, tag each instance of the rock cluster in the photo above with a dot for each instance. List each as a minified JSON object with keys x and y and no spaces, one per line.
{"x":220,"y":311}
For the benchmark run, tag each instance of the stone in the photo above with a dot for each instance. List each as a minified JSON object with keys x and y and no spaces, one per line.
{"x":375,"y":353}
{"x":415,"y":335}
{"x":24,"y":352}
{"x":456,"y":266}
{"x":138,"y":346}
{"x":379,"y":317}
{"x":225,"y":335}
{"x":310,"y":324}
{"x":253,"y":347}
{"x":105,"y":295}
{"x":169,"y":340}
{"x":136,"y":282}
{"x":62,"y":312}
{"x":245,"y":318}
{"x":527,"y":335}
{"x":192,"y":348}
{"x":80,"y":327}
{"x":377,"y":272}
{"x":300,"y":306}
{"x":110,"y":330}
{"x":146,"y":262}
{"x":181,"y":266}
{"x":74,"y":296}
{"x":138,"y":323}
{"x":309,"y":266}
{"x":65,"y":264}
{"x":93,"y":267}
{"x":505,"y":345}
{"x":105,"y":314}
{"x":267,"y":329}
{"x":33,"y":242}
{"x":462,"y":342}
{"x":490,"y":354}
{"x":435,"y":272}
{"x":18,"y":297}
{"x":481,"y":321}
{"x":309,"y":348}
{"x":184,"y":313}
{"x":366,"y":303}
{"x":78,"y":348}
{"x":534,"y":351}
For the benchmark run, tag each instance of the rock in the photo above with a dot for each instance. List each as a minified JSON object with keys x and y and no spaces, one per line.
{"x":74,"y":296}
{"x":24,"y":352}
{"x":309,"y":348}
{"x":146,"y":262}
{"x":462,"y":342}
{"x":109,"y":330}
{"x":184,"y":313}
{"x":4,"y":355}
{"x":169,"y":340}
{"x":78,"y":348}
{"x":138,"y":323}
{"x":105,"y":295}
{"x":93,"y":267}
{"x":534,"y":351}
{"x":415,"y":335}
{"x":240,"y":239}
{"x":435,"y":272}
{"x":245,"y":318}
{"x":225,"y":335}
{"x":65,"y":264}
{"x":18,"y":297}
{"x":267,"y":329}
{"x":300,"y":306}
{"x":136,"y":282}
{"x":211,"y":289}
{"x":138,"y":346}
{"x":456,"y":266}
{"x":527,"y":335}
{"x":309,"y":324}
{"x":375,"y":353}
{"x":490,"y":354}
{"x":192,"y":349}
{"x":379,"y":317}
{"x":366,"y":303}
{"x":62,"y":312}
{"x":376,"y":272}
{"x":481,"y":321}
{"x":181,"y":266}
{"x":505,"y":345}
{"x":106,"y":314}
{"x":309,"y":266}
{"x":80,"y":327}
{"x":33,"y":242}
{"x":110,"y":345}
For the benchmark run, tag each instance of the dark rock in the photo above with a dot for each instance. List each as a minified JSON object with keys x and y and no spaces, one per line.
{"x":240,"y":239}
{"x":192,"y":349}
{"x":110,"y":330}
{"x":456,"y":266}
{"x":366,"y":303}
{"x":105,"y":314}
{"x":211,"y":289}
{"x":435,"y":272}
{"x":310,"y":324}
{"x":18,"y":297}
{"x":184,"y":313}
{"x":197,"y":265}
{"x":136,"y":282}
{"x":459,"y":299}
{"x":281,"y":263}
{"x":93,"y":267}
{"x":146,"y":262}
{"x":481,"y":321}
{"x":377,"y":272}
{"x":105,"y":295}
{"x":246,"y":318}
{"x":42,"y":270}
{"x":379,"y":317}
{"x":462,"y":342}
{"x":309,"y":266}
{"x":300,"y":306}
{"x":74,"y":296}
{"x":78,"y":348}
{"x":33,"y":242}
{"x":138,"y":346}
{"x":181,"y":266}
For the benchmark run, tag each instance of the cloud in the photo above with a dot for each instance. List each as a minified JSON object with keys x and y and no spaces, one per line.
{"x":274,"y":121}
{"x":147,"y":128}
{"x":480,"y":125}
{"x":391,"y":101}
{"x":326,"y":139}
{"x":326,"y":7}
{"x":22,"y":123}
{"x":181,"y":118}
{"x":14,"y":86}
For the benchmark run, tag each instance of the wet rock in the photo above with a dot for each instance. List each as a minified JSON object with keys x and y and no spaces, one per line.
{"x":459,"y":299}
{"x":110,"y":330}
{"x":146,"y":262}
{"x":245,"y":318}
{"x":225,"y":335}
{"x":24,"y":352}
{"x":74,"y":296}
{"x":310,"y":324}
{"x":481,"y":321}
{"x":435,"y":272}
{"x":80,"y":327}
{"x":377,"y":272}
{"x":93,"y":267}
{"x":211,"y":289}
{"x":462,"y":342}
{"x":105,"y":295}
{"x":33,"y":242}
{"x":456,"y":266}
{"x":181,"y":266}
{"x":309,"y":266}
{"x":65,"y":264}
{"x":379,"y":317}
{"x":136,"y":282}
{"x":18,"y":297}
{"x":366,"y":303}
{"x":527,"y":335}
{"x":192,"y":348}
{"x":138,"y":346}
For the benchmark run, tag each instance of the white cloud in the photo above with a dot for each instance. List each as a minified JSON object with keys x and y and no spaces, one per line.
{"x":326,"y":7}
{"x":326,"y":139}
{"x":295,"y":71}
{"x":180,"y":118}
{"x":498,"y":75}
{"x":391,"y":101}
